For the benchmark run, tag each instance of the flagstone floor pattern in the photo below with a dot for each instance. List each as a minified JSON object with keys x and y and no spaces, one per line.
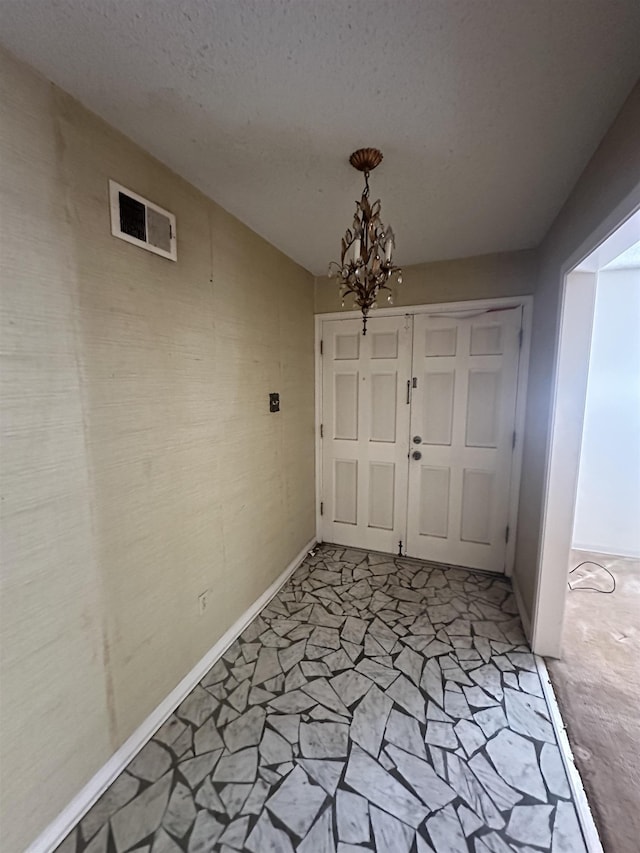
{"x":377,"y":703}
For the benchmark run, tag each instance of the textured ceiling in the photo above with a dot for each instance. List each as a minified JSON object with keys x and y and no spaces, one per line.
{"x":486,"y":110}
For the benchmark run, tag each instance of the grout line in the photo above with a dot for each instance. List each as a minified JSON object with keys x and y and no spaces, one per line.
{"x":578,"y":793}
{"x":72,"y":814}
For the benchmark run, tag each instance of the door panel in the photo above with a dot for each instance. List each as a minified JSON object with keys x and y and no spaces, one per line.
{"x":365,"y":426}
{"x":345,"y":394}
{"x":463,"y":412}
{"x":437,"y":413}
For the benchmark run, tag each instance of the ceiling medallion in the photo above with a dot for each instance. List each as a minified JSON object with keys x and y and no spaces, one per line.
{"x":366,"y":264}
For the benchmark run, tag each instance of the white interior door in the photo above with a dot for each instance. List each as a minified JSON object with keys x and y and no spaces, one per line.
{"x":462,"y":435}
{"x":365,"y":431}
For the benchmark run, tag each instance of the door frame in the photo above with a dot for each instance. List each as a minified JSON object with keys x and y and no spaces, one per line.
{"x":524,"y":302}
{"x":562,"y":449}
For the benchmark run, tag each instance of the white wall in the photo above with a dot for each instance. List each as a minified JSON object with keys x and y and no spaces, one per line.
{"x":607,"y":517}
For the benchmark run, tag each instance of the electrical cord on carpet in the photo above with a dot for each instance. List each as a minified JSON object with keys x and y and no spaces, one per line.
{"x":592,"y":588}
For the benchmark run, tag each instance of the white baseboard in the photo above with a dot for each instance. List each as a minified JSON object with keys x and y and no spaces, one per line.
{"x":578,"y":795}
{"x":522,"y":610}
{"x":58,"y":829}
{"x":606,"y":551}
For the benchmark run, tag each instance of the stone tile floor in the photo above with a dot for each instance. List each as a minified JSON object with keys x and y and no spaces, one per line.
{"x":377,"y":703}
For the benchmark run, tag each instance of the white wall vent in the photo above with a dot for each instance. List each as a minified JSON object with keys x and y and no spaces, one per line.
{"x":141,"y":222}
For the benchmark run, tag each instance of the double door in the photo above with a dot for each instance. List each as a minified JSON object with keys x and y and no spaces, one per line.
{"x":418,"y":434}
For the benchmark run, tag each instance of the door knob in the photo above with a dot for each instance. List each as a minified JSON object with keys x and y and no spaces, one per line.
{"x":416,"y":454}
{"x":417,"y":439}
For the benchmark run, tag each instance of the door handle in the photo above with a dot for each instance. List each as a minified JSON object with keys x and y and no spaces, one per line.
{"x":416,"y":454}
{"x":417,"y":439}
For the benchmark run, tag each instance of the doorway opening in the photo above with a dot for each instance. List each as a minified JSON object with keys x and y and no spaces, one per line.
{"x":588,"y":605}
{"x":572,"y":370}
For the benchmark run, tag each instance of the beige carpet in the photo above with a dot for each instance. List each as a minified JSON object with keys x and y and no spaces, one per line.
{"x":597,"y":684}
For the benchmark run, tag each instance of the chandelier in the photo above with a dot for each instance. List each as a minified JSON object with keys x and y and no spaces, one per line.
{"x":366,"y":264}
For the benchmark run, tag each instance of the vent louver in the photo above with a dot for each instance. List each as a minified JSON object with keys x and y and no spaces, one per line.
{"x":141,"y":222}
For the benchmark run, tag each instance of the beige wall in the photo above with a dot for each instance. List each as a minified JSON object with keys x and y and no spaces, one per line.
{"x":140,"y":464}
{"x":609,"y":178}
{"x":484,"y":277}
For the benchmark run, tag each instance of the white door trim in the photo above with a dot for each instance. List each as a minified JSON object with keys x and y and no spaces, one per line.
{"x":318,"y":397}
{"x":571,"y":371}
{"x":526,"y":302}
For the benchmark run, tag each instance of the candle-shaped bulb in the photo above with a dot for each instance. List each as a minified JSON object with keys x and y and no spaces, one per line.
{"x":389,"y":244}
